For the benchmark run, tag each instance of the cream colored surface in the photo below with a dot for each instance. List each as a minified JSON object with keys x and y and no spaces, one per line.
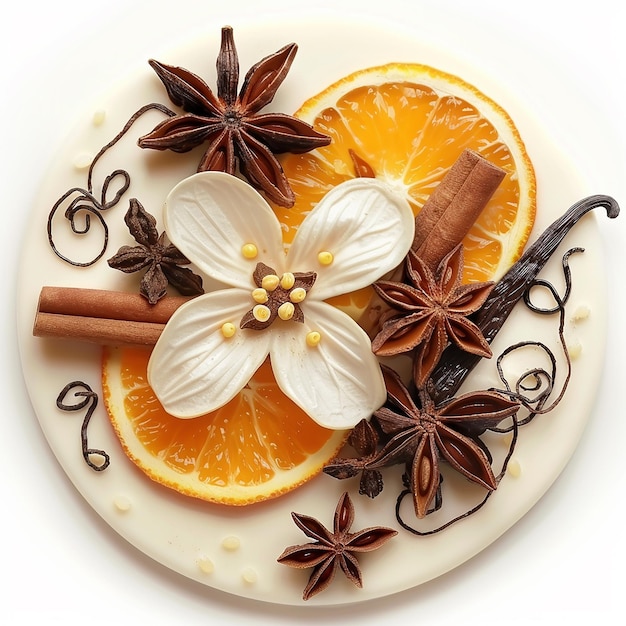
{"x":562,"y":560}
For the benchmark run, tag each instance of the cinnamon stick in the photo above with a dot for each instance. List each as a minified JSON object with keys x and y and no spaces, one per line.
{"x":96,"y":330}
{"x":454,"y":206}
{"x":100,"y":316}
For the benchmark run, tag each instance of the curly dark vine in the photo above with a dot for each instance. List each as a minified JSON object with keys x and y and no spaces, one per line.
{"x":82,"y":205}
{"x":425,"y":426}
{"x":85,"y":398}
{"x":539,"y":381}
{"x":532,"y":390}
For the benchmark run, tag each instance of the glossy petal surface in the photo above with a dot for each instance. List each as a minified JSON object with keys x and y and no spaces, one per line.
{"x":194,"y":369}
{"x":365,"y":225}
{"x":338,"y":382}
{"x":211,"y":216}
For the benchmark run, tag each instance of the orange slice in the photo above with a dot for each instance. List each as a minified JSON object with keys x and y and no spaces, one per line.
{"x":258,"y":446}
{"x":410,"y":123}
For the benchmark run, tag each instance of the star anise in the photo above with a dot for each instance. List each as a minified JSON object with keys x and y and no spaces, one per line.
{"x":423,"y":436}
{"x":433,"y":312}
{"x":160,"y":259}
{"x":237,"y":135}
{"x":333,"y":550}
{"x":364,"y":439}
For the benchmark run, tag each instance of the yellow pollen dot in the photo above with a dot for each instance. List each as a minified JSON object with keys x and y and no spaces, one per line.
{"x":260,"y":296}
{"x":270,"y":282}
{"x":287,"y":280}
{"x":298,"y":294}
{"x":325,"y":257}
{"x":228,"y":330}
{"x":313,"y":338}
{"x":286,"y":311}
{"x":249,"y":251}
{"x":261,"y":313}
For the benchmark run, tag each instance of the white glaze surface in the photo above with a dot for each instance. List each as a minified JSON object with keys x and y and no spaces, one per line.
{"x":591,"y":378}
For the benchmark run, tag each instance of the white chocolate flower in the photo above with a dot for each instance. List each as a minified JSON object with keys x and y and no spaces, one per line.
{"x":320,"y":356}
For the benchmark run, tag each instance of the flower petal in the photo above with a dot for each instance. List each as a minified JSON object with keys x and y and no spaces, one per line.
{"x":337,"y":382}
{"x":210,"y":216}
{"x":367,"y":227}
{"x":193,"y":368}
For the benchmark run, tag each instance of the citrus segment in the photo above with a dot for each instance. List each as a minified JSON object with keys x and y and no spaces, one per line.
{"x":258,"y":446}
{"x":410,"y":123}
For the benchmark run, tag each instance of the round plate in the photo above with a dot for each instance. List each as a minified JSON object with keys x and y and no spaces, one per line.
{"x":188,"y":536}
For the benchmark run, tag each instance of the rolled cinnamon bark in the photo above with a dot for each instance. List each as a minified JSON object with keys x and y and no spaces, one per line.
{"x":97,"y":330}
{"x":113,"y":305}
{"x":100,"y":316}
{"x":454,"y":206}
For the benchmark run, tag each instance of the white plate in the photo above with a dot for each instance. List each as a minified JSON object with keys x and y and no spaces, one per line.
{"x":195,"y":530}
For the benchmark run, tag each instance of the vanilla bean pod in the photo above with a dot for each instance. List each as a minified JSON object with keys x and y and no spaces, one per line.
{"x":455,"y":364}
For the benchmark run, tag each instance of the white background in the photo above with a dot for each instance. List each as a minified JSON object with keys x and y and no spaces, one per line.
{"x":564,"y":560}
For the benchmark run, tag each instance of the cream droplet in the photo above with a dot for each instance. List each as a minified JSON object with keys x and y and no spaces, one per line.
{"x":514,"y":468}
{"x":325,"y":257}
{"x":261,"y":313}
{"x":286,"y":311}
{"x":231,"y":543}
{"x":574,"y":348}
{"x":83,"y":160}
{"x":298,"y":294}
{"x":270,"y":282}
{"x":581,"y":313}
{"x":206,"y":565}
{"x":249,"y":251}
{"x":228,"y":330}
{"x":287,"y":280}
{"x":313,"y":338}
{"x":98,"y":117}
{"x":122,"y":504}
{"x":249,"y":575}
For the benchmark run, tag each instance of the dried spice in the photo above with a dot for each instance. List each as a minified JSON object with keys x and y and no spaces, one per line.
{"x":423,"y":435}
{"x":237,"y":135}
{"x":333,"y":550}
{"x":364,"y":439}
{"x":455,"y":365}
{"x":160,"y":259}
{"x":454,"y":206}
{"x":433,"y":312}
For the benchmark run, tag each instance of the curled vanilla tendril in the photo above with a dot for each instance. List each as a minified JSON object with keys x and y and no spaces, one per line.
{"x":539,"y":381}
{"x":82,"y":205}
{"x":90,"y":400}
